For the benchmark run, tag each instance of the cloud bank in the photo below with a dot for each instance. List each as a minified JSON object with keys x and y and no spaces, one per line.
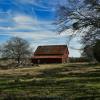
{"x":32,"y":20}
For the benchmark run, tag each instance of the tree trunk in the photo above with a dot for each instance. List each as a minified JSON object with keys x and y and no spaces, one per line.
{"x":18,"y":61}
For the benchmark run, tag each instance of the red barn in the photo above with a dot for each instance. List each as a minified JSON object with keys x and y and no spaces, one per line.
{"x":51,"y":54}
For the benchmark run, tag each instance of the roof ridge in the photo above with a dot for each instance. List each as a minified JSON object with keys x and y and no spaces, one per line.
{"x":52,"y":45}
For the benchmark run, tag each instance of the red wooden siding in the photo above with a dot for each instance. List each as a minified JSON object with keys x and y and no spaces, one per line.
{"x":51,"y":54}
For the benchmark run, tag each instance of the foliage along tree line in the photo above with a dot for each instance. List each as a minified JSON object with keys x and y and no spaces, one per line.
{"x":82,"y":16}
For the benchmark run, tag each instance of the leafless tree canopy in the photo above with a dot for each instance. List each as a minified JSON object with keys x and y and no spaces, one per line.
{"x":17,"y":49}
{"x":81,"y":15}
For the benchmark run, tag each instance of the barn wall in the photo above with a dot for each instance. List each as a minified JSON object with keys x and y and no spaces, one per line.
{"x":47,"y":60}
{"x":65,"y":56}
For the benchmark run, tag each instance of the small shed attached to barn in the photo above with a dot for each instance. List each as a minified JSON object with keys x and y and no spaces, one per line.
{"x":51,"y":54}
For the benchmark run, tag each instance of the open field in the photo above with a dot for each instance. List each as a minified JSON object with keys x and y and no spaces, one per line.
{"x":51,"y":82}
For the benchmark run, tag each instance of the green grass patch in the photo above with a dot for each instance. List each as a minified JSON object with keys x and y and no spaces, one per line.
{"x":51,"y":82}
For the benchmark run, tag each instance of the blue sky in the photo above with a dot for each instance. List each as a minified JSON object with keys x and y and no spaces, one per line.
{"x":32,"y":20}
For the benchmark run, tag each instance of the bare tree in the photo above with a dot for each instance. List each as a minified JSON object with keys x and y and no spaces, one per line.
{"x":16,"y":49}
{"x":83,"y":16}
{"x":88,"y":53}
{"x":80,"y":14}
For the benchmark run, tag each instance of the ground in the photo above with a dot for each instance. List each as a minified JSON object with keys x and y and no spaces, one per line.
{"x":51,"y":82}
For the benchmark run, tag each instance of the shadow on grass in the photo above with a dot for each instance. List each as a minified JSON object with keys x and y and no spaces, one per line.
{"x":87,"y":74}
{"x":24,"y":97}
{"x":73,"y":88}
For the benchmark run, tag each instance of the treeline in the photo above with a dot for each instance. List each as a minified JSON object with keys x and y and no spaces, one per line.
{"x":78,"y":59}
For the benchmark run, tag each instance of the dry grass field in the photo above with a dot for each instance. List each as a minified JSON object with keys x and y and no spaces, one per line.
{"x":51,"y":82}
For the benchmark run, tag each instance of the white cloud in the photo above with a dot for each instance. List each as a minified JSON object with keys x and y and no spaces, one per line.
{"x":67,"y":32}
{"x":37,"y":29}
{"x":29,"y":23}
{"x":24,"y":26}
{"x":41,"y":5}
{"x":36,"y":35}
{"x":24,"y":20}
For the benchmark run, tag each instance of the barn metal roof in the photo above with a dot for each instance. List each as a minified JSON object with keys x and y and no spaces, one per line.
{"x":51,"y":50}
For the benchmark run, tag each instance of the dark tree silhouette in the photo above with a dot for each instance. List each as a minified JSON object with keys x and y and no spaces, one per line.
{"x":17,"y":49}
{"x":96,"y":50}
{"x":82,"y":16}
